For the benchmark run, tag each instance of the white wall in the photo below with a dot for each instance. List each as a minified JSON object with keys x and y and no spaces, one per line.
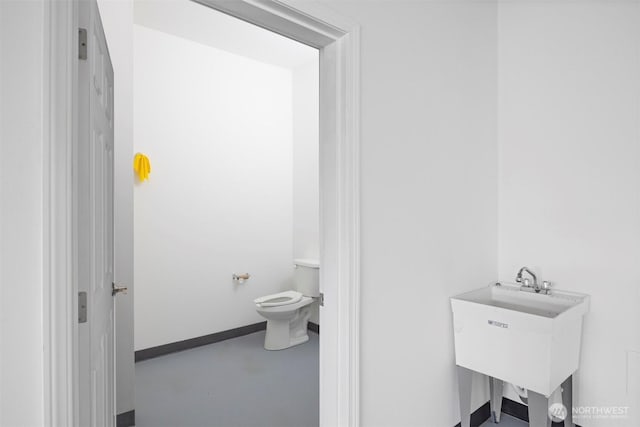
{"x":199,"y":23}
{"x":21,"y":213}
{"x":429,"y":197}
{"x":306,"y":175}
{"x":569,"y":132}
{"x":305,"y":105}
{"x":117,"y":20}
{"x":217,"y":129}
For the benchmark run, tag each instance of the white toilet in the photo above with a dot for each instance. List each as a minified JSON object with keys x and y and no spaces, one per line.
{"x":288,"y":312}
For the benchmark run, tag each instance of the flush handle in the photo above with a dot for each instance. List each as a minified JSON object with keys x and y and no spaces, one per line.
{"x":116,"y":289}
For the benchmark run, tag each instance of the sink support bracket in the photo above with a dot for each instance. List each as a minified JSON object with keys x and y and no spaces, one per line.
{"x":465,"y":376}
{"x":539,"y":411}
{"x":496,"y":388}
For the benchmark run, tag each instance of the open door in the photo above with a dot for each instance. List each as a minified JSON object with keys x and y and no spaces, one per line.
{"x":95,"y":169}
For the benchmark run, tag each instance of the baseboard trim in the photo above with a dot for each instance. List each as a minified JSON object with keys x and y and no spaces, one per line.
{"x":479,"y":416}
{"x":126,"y":419}
{"x":521,"y":411}
{"x":313,"y":327}
{"x":161,"y":350}
{"x":515,"y":409}
{"x":509,"y":407}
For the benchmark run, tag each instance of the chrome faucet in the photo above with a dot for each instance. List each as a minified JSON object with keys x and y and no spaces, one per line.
{"x":545,"y":289}
{"x":525,"y":282}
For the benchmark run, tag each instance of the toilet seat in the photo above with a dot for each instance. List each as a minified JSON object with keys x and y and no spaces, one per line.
{"x":279,"y":299}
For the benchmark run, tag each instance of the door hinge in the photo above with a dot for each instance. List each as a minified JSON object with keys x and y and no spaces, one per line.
{"x":82,"y":307}
{"x":82,"y":43}
{"x":321,"y":299}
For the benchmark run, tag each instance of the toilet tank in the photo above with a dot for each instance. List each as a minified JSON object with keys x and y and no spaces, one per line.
{"x":306,"y":277}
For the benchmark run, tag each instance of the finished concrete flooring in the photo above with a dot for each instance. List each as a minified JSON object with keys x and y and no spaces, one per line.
{"x":236,"y":383}
{"x":505,"y":421}
{"x":231,"y":383}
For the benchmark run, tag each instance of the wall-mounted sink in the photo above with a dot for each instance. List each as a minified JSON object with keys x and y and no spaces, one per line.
{"x":525,"y":338}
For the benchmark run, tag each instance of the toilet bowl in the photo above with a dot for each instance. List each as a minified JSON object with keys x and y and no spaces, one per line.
{"x":288,"y":312}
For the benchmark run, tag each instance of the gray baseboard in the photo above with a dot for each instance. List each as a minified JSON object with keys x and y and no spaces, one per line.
{"x":509,"y":407}
{"x":521,"y":411}
{"x":479,"y":416}
{"x":161,"y":350}
{"x":126,"y":419}
{"x":515,"y":409}
{"x":313,"y":327}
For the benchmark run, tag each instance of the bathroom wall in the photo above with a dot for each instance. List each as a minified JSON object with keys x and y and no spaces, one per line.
{"x":305,"y":102}
{"x":569,"y":207}
{"x":218,"y":130}
{"x":306,"y":222}
{"x":429,"y":197}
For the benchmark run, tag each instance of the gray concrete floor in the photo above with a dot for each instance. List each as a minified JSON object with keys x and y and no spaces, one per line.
{"x":236,"y":383}
{"x":505,"y":421}
{"x":231,"y":383}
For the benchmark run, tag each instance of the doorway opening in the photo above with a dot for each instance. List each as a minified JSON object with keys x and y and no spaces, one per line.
{"x":229,"y":209}
{"x":337,"y":38}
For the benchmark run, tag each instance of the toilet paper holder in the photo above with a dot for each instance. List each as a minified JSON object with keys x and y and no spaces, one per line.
{"x":241,"y":277}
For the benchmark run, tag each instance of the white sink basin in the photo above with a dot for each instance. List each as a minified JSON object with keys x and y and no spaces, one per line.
{"x":525,"y":338}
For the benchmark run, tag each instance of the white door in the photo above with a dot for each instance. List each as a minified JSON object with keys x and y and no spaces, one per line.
{"x":95,"y":220}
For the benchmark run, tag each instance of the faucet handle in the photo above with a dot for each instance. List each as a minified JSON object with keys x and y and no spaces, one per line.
{"x":546,"y":286}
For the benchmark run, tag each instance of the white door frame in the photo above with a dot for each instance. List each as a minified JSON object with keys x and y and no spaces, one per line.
{"x":338,"y":39}
{"x":60,"y":326}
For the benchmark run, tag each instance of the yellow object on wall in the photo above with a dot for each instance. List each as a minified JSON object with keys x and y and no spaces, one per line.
{"x":142,"y":166}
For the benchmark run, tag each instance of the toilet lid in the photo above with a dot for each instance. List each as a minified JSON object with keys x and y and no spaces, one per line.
{"x":282,"y":298}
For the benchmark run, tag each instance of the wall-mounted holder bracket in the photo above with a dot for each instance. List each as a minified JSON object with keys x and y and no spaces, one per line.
{"x":240,"y":278}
